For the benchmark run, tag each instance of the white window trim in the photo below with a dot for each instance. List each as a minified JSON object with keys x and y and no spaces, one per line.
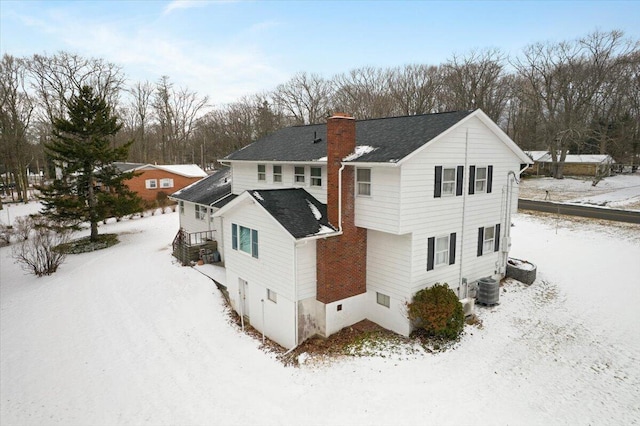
{"x":200,"y":212}
{"x":436,"y":263}
{"x":443,"y":193}
{"x":477,"y":180}
{"x":148,"y":183}
{"x":367,"y":183}
{"x":262,"y":175}
{"x":273,"y":170}
{"x":488,"y":244}
{"x":181,"y":203}
{"x":317,"y":178}
{"x":166,"y":183}
{"x":251,"y":241}
{"x":304,"y":176}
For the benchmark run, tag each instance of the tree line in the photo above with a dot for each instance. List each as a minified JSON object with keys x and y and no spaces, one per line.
{"x":578,"y":96}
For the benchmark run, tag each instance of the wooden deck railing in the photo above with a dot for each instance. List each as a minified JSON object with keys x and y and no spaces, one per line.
{"x":187,"y":245}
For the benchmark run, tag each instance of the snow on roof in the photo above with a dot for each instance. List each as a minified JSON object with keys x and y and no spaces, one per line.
{"x":359,"y":152}
{"x":536,"y":155}
{"x":188,"y":170}
{"x":545,"y":157}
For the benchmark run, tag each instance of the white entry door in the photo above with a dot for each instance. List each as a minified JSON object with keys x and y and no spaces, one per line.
{"x":244,"y":297}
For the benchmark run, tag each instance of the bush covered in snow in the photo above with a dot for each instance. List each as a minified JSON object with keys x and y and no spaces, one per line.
{"x":437,"y":311}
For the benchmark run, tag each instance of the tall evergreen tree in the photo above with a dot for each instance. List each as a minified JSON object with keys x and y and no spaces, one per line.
{"x":88,"y":186}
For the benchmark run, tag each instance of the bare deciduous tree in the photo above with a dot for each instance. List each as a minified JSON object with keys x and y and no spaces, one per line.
{"x":40,"y":255}
{"x":305,"y":98}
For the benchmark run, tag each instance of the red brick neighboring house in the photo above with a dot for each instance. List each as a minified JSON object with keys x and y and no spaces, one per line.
{"x":151,"y":179}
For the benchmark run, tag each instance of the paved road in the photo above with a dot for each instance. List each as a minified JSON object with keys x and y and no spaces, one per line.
{"x":577,"y":210}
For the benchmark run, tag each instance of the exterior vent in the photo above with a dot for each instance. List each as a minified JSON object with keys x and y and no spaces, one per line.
{"x":488,"y":291}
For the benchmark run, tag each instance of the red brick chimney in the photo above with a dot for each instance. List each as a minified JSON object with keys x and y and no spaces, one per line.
{"x":341,"y":261}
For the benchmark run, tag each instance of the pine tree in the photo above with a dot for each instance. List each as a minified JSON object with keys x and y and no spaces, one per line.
{"x":88,"y":186}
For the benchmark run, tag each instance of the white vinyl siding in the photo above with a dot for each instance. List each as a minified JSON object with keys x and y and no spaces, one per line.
{"x":381,"y":210}
{"x":244,"y":177}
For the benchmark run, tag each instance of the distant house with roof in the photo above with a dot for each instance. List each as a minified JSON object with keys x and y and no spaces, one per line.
{"x":150,"y":179}
{"x":326,"y":225}
{"x":593,"y":165}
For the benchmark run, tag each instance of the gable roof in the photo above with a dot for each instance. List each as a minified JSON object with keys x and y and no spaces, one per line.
{"x":382,"y":140}
{"x":208,"y":190}
{"x":296,"y":210}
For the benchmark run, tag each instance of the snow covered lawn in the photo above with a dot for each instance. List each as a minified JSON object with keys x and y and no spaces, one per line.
{"x":127,"y":336}
{"x":621,"y":191}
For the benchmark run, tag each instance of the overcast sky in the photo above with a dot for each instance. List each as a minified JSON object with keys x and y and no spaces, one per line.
{"x":227,"y":49}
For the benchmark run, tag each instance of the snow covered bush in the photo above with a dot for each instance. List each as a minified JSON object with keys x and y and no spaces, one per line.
{"x":40,"y":255}
{"x":437,"y":311}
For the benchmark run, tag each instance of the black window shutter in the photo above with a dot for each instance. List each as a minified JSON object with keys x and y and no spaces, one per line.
{"x":437,"y":189}
{"x":489,"y":178}
{"x":431,"y":252}
{"x":480,"y":240}
{"x":452,"y":248}
{"x":459,"y":177}
{"x":472,"y":179}
{"x":497,"y":238}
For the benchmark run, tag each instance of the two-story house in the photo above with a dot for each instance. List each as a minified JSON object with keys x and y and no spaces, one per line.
{"x":331,"y":224}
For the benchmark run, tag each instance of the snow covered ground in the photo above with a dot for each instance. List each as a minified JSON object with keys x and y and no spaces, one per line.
{"x":127,"y":336}
{"x":621,"y":191}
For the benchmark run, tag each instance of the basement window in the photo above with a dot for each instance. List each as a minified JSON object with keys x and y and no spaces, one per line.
{"x":272,"y":295}
{"x":383,"y":299}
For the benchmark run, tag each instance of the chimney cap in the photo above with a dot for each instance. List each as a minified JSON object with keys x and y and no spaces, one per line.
{"x":341,"y":115}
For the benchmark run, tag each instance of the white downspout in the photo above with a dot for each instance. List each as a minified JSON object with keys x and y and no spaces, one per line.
{"x":342,"y":165}
{"x":464,"y":210}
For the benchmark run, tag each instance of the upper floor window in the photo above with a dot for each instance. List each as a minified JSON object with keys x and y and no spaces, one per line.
{"x":363,"y":181}
{"x":480,"y":179}
{"x":277,"y":174}
{"x":298,"y":174}
{"x":262,"y":172}
{"x":201,"y":212}
{"x":316,"y":176}
{"x":488,"y":239}
{"x":151,"y":183}
{"x":181,"y":207}
{"x":166,"y":183}
{"x":448,"y":181}
{"x":245,"y":239}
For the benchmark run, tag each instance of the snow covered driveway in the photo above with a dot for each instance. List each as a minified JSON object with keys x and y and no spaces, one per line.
{"x":127,"y":336}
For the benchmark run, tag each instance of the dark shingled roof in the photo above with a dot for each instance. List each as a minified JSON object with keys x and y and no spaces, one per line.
{"x":207,"y":190}
{"x":125,"y":167}
{"x":296,"y":210}
{"x":392,"y":139}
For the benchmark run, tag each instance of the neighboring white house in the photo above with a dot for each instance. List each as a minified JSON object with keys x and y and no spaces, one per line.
{"x":331,"y":224}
